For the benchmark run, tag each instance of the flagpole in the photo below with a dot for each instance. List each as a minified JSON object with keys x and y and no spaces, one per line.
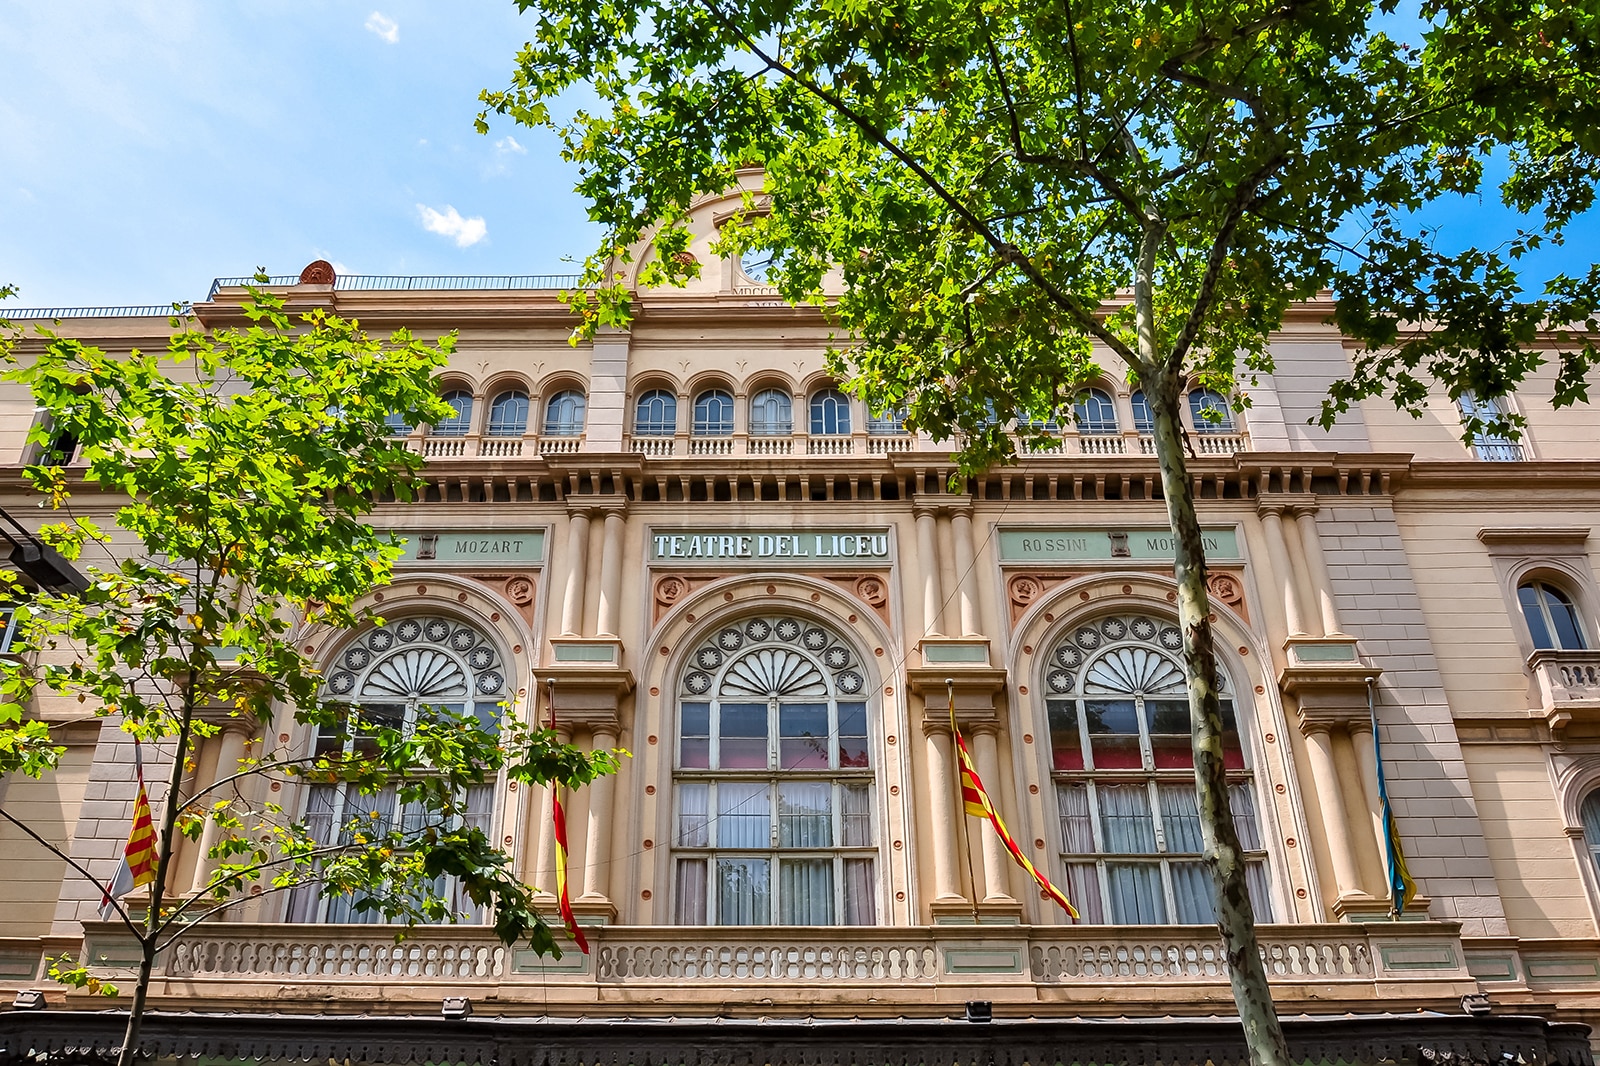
{"x":961,"y":811}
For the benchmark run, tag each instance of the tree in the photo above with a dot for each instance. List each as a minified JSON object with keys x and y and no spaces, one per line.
{"x":245,"y":461}
{"x":982,"y":196}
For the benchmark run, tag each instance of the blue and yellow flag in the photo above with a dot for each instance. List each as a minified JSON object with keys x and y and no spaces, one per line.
{"x":1402,"y":889}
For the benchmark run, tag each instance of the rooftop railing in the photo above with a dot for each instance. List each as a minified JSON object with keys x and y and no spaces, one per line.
{"x":413,"y":283}
{"x":35,"y":314}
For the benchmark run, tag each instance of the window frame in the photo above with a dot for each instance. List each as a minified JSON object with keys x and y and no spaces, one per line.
{"x":576,"y":401}
{"x":1544,"y":589}
{"x":707,"y":423}
{"x":499,"y":426}
{"x":1096,"y":425}
{"x":1203,"y":399}
{"x":783,"y":425}
{"x":826,"y":402}
{"x":461,"y":424}
{"x":667,"y":424}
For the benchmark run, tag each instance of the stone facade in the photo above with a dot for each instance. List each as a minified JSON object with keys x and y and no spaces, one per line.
{"x":669,"y":577}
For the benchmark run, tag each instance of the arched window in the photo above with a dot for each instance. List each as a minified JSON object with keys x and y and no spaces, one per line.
{"x":1202,"y":401}
{"x":713,"y":414}
{"x":1123,"y":765}
{"x":656,"y":414}
{"x":458,"y":426}
{"x":1143,"y":420}
{"x":830,"y":413}
{"x":1590,"y":813}
{"x":1551,"y":617}
{"x":774,"y":780}
{"x":771,"y":414}
{"x":887,"y":424}
{"x":392,"y":671}
{"x":508,"y":414}
{"x":1095,"y":413}
{"x":1047,"y":422}
{"x":563,"y":414}
{"x":1492,"y":447}
{"x":397,"y":425}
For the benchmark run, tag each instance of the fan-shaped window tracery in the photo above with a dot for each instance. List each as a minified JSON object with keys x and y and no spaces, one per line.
{"x":1122,"y":760}
{"x":774,"y":779}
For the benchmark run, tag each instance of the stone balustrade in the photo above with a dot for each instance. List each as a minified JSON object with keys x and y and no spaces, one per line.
{"x":1569,"y":685}
{"x":500,"y":447}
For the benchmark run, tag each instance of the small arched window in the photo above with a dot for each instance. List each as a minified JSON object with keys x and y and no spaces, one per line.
{"x":771,"y":414}
{"x":1095,"y":413}
{"x":830,"y":414}
{"x":887,"y":424}
{"x":458,"y":426}
{"x":1143,"y":420}
{"x":656,"y":414}
{"x":713,"y":414}
{"x":1210,"y":411}
{"x":1552,"y":619}
{"x":563,"y":415}
{"x":508,"y":414}
{"x":1590,"y":813}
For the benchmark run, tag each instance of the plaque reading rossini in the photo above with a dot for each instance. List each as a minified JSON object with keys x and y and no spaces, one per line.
{"x":789,"y":547}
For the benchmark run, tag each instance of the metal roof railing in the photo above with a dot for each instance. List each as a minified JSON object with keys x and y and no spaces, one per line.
{"x":121,"y":311}
{"x":415,"y":283}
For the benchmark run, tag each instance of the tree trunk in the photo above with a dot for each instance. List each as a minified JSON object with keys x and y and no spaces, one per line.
{"x":1235,"y":919}
{"x":141,"y":990}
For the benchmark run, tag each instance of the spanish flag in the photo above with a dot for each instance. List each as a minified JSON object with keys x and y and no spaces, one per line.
{"x":976,"y":800}
{"x":567,"y":917}
{"x":139,"y":856}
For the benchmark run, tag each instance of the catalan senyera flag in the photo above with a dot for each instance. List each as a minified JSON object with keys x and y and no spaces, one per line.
{"x":976,"y":800}
{"x":138,"y":865}
{"x":1402,"y":889}
{"x":567,"y":917}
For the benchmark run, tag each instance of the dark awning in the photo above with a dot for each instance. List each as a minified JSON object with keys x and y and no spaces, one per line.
{"x":1422,"y":1039}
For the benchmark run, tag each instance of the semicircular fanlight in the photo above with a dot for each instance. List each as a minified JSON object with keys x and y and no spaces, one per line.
{"x":1133,"y":671}
{"x":772,"y":672}
{"x":417,"y":673}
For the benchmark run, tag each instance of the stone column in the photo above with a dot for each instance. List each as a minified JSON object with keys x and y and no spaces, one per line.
{"x":610,"y":578}
{"x":1283,"y":571}
{"x":597,"y":842}
{"x":577,"y":566}
{"x":928,"y":560}
{"x":1325,"y":775}
{"x":946,"y":884}
{"x":544,"y":864}
{"x":1317,"y":565}
{"x":966,"y":577}
{"x":996,"y":861}
{"x":230,"y":749}
{"x":1367,"y":763}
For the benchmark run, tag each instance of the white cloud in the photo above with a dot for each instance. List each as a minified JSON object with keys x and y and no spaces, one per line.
{"x":508,"y":144}
{"x":464,"y":231}
{"x":384,"y":26}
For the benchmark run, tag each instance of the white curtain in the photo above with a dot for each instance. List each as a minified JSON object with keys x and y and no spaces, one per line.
{"x":855,"y":816}
{"x":1192,"y":894}
{"x":744,"y":815}
{"x":1136,"y":894}
{"x":694,"y":816}
{"x":744,"y":892}
{"x":1077,"y":834}
{"x":1242,"y":799}
{"x":690,"y":892}
{"x":1125,"y":822}
{"x":1260,"y":888}
{"x":860,"y":893}
{"x":1083,"y":890}
{"x":805,"y":891}
{"x":1180,"y":817}
{"x":805,"y":814}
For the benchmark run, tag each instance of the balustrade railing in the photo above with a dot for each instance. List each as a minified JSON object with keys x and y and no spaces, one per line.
{"x":1218,"y":443}
{"x":710,"y":445}
{"x":818,"y":445}
{"x":444,"y":447}
{"x":1498,"y":451}
{"x":890,"y":443}
{"x":1098,"y":444}
{"x":654,"y":447}
{"x":1569,"y":684}
{"x":769,"y":446}
{"x":560,"y":445}
{"x":500,"y":447}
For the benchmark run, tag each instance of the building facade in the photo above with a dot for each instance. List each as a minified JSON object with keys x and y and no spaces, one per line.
{"x":718,"y":561}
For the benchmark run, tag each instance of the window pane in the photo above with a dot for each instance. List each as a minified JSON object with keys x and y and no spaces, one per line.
{"x":860,"y":893}
{"x":1095,"y":413}
{"x":322,"y":805}
{"x":690,"y":892}
{"x":1113,"y":734}
{"x":488,"y":715}
{"x":694,"y":816}
{"x":1528,"y":596}
{"x":1143,"y":420}
{"x":1180,"y":818}
{"x":1563,"y":619}
{"x":1192,"y":894}
{"x":744,"y":892}
{"x":478,"y":810}
{"x":1077,"y":833}
{"x":713,"y":414}
{"x":771,"y":414}
{"x":1136,"y":894}
{"x":656,"y":414}
{"x":744,"y":815}
{"x":805,"y":892}
{"x":853,"y":735}
{"x":694,"y":742}
{"x":1083,"y":891}
{"x":1242,"y":800}
{"x":855,"y":815}
{"x":805,"y":814}
{"x":1170,"y":743}
{"x":458,"y":425}
{"x":1260,"y":889}
{"x":1066,"y":746}
{"x":372,"y":717}
{"x":1232,"y":750}
{"x":508,"y":415}
{"x":830,"y":413}
{"x":1126,"y":826}
{"x":803,"y":736}
{"x":743,"y":736}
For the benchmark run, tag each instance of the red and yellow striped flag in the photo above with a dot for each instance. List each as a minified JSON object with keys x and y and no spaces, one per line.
{"x":567,"y":917}
{"x":976,"y":800}
{"x":138,"y":865}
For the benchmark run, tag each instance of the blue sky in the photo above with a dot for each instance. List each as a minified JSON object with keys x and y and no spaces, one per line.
{"x":146,"y":147}
{"x":149,"y":146}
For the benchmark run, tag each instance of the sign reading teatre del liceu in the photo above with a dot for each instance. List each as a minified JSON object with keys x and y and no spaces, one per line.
{"x":808,"y":547}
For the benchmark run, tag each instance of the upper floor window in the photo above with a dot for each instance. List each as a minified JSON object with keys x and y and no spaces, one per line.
{"x":773,"y":780}
{"x":1123,"y":768}
{"x":508,"y":414}
{"x":1210,"y":411}
{"x":1590,"y":814}
{"x":388,"y":676}
{"x":461,"y":423}
{"x":771,"y":414}
{"x":888,"y":423}
{"x":8,"y":626}
{"x":397,"y":425}
{"x":563,"y":414}
{"x":1492,"y":447}
{"x":1552,"y":619}
{"x":656,"y":414}
{"x":713,"y":414}
{"x":1045,"y":422}
{"x":830,"y":413}
{"x":1095,"y":413}
{"x":1143,"y":420}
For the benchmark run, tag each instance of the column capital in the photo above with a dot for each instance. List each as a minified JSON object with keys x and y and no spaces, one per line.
{"x":592,"y":507}
{"x":1286,"y":504}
